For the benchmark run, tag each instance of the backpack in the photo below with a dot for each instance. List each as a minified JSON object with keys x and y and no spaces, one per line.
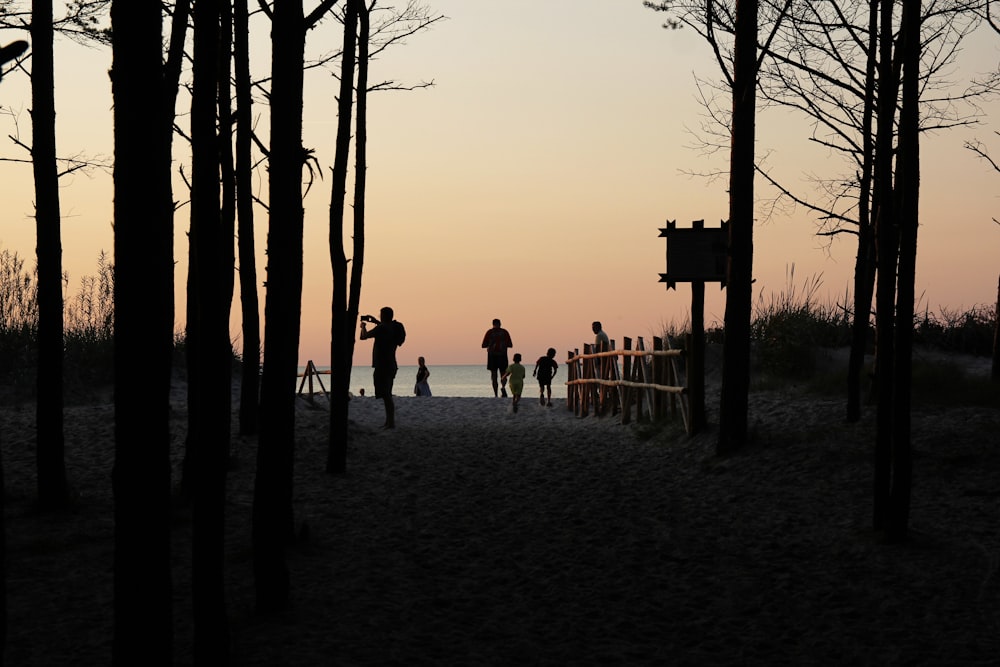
{"x":400,"y":333}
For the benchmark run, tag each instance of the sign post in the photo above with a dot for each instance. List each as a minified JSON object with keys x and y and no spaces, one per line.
{"x":696,"y":255}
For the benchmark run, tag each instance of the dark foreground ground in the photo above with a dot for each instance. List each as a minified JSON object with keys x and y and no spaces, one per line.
{"x":474,"y":536}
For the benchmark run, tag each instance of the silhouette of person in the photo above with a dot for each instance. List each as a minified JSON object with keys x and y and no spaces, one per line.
{"x":422,"y":388}
{"x":389,"y":335}
{"x":545,"y":370}
{"x":496,"y":341}
{"x":515,"y":372}
{"x":601,"y":341}
{"x":601,"y":344}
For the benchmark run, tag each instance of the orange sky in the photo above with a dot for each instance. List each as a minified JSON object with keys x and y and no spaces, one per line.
{"x":529,"y":183}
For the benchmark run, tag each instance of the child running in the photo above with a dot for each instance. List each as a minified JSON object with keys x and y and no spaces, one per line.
{"x":545,"y":370}
{"x":515,"y":379}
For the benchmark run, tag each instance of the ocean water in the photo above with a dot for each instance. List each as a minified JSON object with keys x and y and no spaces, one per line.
{"x":448,"y":381}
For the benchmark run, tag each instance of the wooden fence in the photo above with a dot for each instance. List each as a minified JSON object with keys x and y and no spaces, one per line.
{"x":616,"y":380}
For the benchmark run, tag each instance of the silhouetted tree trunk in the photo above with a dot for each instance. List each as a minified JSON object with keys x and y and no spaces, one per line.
{"x":227,"y":171}
{"x":360,"y":178}
{"x":343,"y":323}
{"x":208,"y":340}
{"x":273,"y":516}
{"x":144,"y":314}
{"x":273,"y":519}
{"x":908,"y":188}
{"x":347,"y":294}
{"x":864,"y":264}
{"x":250,"y":380}
{"x":886,"y":250}
{"x":227,"y":168}
{"x":50,"y":449}
{"x":736,"y":348}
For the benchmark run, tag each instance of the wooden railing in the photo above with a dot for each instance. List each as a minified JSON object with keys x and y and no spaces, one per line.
{"x":616,"y":380}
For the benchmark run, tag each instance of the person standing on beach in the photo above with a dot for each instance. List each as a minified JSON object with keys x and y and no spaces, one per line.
{"x":496,"y":341}
{"x":515,"y":372}
{"x":601,"y":344}
{"x":545,"y":370}
{"x":601,"y":341}
{"x":389,"y":335}
{"x":421,"y":388}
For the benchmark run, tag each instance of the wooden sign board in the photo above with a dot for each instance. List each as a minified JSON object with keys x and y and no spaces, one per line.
{"x":695,"y":254}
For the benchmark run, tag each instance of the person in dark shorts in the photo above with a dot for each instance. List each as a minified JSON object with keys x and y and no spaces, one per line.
{"x":545,"y":370}
{"x":389,"y":335}
{"x":496,"y":342}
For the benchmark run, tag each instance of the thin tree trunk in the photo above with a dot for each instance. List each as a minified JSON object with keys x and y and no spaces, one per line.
{"x":908,"y":186}
{"x":250,"y":380}
{"x":144,"y":316}
{"x":361,"y":175}
{"x":864,"y":265}
{"x":342,"y":327}
{"x":887,"y":245}
{"x":50,"y":451}
{"x":208,"y":342}
{"x":227,"y":168}
{"x":736,"y":348}
{"x":273,"y":518}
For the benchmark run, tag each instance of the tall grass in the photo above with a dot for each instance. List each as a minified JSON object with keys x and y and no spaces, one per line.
{"x":787,"y":327}
{"x":88,"y":327}
{"x":790,"y":329}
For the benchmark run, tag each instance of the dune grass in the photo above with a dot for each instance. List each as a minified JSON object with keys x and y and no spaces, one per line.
{"x":793,"y":333}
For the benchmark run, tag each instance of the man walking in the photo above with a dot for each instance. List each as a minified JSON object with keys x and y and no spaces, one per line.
{"x":496,"y":342}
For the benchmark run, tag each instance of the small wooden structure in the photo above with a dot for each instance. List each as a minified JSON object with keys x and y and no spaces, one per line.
{"x":311,"y":374}
{"x":616,"y":380}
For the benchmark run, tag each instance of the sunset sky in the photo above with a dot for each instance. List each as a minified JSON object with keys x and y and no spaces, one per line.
{"x":528,"y":183}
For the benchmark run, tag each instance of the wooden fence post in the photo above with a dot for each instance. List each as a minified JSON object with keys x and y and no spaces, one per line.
{"x":638,"y":373}
{"x":626,"y":392}
{"x":659,"y":377}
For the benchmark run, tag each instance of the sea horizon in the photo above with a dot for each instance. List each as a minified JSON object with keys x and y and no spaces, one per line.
{"x":447,"y":381}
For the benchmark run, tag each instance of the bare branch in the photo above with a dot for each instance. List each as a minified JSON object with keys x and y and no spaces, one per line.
{"x":392,"y":85}
{"x":316,"y":15}
{"x":979,"y":149}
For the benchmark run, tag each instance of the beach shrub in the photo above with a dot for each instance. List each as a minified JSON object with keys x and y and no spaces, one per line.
{"x":787,"y":328}
{"x":969,"y":332}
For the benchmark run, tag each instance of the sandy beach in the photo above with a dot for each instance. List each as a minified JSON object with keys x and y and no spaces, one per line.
{"x":471,"y":535}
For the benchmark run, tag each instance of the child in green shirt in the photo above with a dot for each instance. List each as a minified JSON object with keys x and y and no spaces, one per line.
{"x":515,"y":379}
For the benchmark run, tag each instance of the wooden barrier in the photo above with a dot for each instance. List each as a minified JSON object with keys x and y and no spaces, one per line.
{"x":646,"y":379}
{"x":307,"y":377}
